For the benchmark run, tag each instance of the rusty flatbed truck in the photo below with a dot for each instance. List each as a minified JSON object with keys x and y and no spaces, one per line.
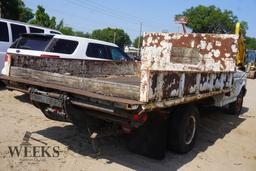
{"x":156,"y":100}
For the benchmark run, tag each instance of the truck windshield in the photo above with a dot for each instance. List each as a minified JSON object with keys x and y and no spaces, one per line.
{"x":36,"y":42}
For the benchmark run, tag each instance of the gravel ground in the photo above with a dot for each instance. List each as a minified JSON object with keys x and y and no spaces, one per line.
{"x":225,"y":142}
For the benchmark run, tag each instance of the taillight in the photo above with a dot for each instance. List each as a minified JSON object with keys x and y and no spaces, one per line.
{"x":49,"y":56}
{"x":136,"y":117}
{"x":140,"y":118}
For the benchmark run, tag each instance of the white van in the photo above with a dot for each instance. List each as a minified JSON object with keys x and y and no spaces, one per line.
{"x":10,"y":30}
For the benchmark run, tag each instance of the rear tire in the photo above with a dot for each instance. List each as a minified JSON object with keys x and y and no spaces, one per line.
{"x":150,"y":139}
{"x":80,"y":118}
{"x":182,"y":129}
{"x":77,"y":116}
{"x":2,"y":85}
{"x":235,"y":107}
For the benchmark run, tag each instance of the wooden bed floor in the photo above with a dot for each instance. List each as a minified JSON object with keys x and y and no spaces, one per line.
{"x":129,"y":80}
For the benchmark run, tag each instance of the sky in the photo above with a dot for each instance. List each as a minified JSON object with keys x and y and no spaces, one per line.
{"x":155,"y":16}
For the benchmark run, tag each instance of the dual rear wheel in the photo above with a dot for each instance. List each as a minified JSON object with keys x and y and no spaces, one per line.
{"x":235,"y":107}
{"x":182,"y":129}
{"x":177,"y":133}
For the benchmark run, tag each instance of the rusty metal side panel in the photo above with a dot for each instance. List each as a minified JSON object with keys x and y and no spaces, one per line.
{"x":190,"y":86}
{"x":77,"y":67}
{"x":173,"y":85}
{"x":205,"y":83}
{"x":164,"y":85}
{"x":189,"y":52}
{"x":217,"y":81}
{"x":201,"y":62}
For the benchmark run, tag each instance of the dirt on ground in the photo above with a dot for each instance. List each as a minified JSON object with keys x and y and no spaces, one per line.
{"x":225,"y":142}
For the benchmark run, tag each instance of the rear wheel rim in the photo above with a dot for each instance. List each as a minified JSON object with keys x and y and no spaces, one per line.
{"x":190,"y":129}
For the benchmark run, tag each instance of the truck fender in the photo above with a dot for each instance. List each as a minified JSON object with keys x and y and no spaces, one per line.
{"x":240,"y":81}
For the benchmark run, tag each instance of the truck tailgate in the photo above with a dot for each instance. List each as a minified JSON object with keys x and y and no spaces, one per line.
{"x":114,"y":79}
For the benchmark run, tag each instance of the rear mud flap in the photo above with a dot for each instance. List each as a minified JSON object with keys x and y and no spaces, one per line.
{"x":150,"y":139}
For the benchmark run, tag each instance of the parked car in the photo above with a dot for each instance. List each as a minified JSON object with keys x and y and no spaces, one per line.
{"x":10,"y":30}
{"x":63,"y":46}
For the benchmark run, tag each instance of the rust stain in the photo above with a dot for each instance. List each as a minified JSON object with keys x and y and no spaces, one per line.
{"x":204,"y":83}
{"x":170,"y":85}
{"x":216,"y":52}
{"x":190,"y":84}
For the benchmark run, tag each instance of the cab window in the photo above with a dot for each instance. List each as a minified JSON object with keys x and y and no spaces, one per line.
{"x":32,"y":42}
{"x":54,"y":32}
{"x":4,"y":36}
{"x":62,"y":46}
{"x":35,"y":30}
{"x":97,"y":51}
{"x":17,"y":30}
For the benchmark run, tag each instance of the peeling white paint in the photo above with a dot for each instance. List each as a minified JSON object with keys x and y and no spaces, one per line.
{"x":203,"y":44}
{"x":192,"y":43}
{"x":192,"y":89}
{"x":216,"y":53}
{"x":209,"y":46}
{"x":149,"y":41}
{"x":234,"y":48}
{"x":227,"y":55}
{"x":218,"y":43}
{"x":174,"y":93}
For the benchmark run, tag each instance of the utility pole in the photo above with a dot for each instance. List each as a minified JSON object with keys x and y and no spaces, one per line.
{"x":114,"y":39}
{"x":140,"y":38}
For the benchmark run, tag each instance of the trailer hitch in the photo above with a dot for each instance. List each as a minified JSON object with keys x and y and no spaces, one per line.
{"x":53,"y":105}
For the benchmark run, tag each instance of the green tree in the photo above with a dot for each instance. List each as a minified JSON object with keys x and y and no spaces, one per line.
{"x":26,"y":14}
{"x":67,"y":31}
{"x":114,"y":35}
{"x":15,"y":10}
{"x":210,"y":19}
{"x":136,"y":41}
{"x":64,"y":29}
{"x":41,"y":17}
{"x":52,"y":23}
{"x":244,"y":27}
{"x":250,"y":43}
{"x":60,"y":25}
{"x":44,"y":19}
{"x":82,"y":34}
